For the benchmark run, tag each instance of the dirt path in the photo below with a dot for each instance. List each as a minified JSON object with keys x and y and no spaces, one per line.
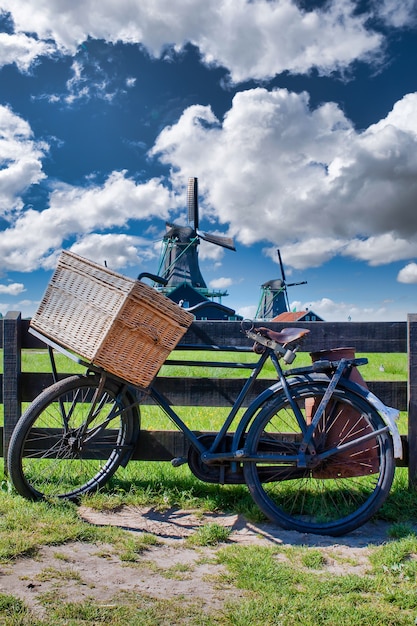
{"x":170,"y":569}
{"x":174,"y":525}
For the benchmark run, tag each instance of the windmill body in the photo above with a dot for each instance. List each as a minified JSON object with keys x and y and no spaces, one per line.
{"x":274,"y":297}
{"x":180,"y":257}
{"x":179,"y":264}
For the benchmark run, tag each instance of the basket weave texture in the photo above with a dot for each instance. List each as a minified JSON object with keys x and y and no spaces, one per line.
{"x":118,"y":323}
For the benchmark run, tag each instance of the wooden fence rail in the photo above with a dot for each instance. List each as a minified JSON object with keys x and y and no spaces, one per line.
{"x":369,"y":337}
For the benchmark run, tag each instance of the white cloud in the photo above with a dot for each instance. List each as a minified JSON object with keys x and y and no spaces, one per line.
{"x":408,"y":274}
{"x":26,"y":307}
{"x":115,"y":250}
{"x":253,"y":39}
{"x":402,"y":117}
{"x":265,"y":166}
{"x":382,"y":249}
{"x":78,"y":211}
{"x":401,"y":13}
{"x":332,"y":311}
{"x":311,"y":252}
{"x":244,"y":38}
{"x":278,"y":171}
{"x":247,"y":312}
{"x":78,"y":85}
{"x":221,"y":283}
{"x":14,"y":289}
{"x":20,"y":160}
{"x":89,"y":80}
{"x":22,"y":50}
{"x":274,"y":170}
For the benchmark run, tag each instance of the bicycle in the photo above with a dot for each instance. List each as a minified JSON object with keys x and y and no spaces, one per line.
{"x":316,"y":450}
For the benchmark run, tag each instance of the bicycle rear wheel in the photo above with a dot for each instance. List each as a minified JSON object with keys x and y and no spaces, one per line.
{"x":341,"y":492}
{"x":72,"y":438}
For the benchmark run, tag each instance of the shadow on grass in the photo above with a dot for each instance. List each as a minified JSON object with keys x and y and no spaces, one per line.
{"x":161,"y":485}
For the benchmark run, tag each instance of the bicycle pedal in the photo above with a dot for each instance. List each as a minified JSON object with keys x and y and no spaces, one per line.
{"x":179,"y":460}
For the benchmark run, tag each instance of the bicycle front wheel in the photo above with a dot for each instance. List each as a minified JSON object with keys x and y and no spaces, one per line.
{"x":332,"y":496}
{"x":72,"y":438}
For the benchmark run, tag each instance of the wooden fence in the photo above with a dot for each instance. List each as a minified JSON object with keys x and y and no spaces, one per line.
{"x":369,"y":337}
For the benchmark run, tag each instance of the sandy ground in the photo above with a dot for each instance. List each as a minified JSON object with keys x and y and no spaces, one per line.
{"x":171,"y":568}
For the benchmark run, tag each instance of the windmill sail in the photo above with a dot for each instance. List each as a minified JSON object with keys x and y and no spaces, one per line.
{"x":192,"y":202}
{"x":219,"y":240}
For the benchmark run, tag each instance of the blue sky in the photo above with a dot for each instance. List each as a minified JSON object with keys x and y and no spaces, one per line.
{"x":299,"y":119}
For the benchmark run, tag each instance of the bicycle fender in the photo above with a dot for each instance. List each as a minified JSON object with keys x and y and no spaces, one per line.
{"x":390,"y":417}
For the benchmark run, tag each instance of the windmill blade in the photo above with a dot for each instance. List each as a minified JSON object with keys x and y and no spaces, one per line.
{"x":281,"y":266}
{"x":219,"y":240}
{"x":192,"y":202}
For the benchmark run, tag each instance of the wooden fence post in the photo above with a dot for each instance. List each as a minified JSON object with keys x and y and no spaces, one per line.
{"x":412,"y":398}
{"x":11,"y":376}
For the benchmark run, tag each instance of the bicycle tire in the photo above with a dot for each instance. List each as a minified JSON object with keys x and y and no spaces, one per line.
{"x":50,"y":457}
{"x":343,"y":491}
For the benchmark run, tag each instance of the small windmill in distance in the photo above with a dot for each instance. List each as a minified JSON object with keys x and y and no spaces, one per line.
{"x":179,"y":263}
{"x":274,"y":295}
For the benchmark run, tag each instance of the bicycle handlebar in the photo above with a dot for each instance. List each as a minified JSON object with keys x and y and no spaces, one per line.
{"x":154,"y":277}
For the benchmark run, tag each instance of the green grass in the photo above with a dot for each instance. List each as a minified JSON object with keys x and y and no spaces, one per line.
{"x":289,"y":594}
{"x":275,"y":585}
{"x":26,"y":526}
{"x":38,"y":361}
{"x":209,"y":535}
{"x":286,"y":585}
{"x":162,"y":486}
{"x":392,"y":366}
{"x":129,"y":608}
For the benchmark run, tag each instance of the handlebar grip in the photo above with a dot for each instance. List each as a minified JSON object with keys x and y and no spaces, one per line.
{"x":154,"y":277}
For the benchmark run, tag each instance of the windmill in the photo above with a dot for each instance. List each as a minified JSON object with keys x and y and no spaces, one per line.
{"x":179,"y":262}
{"x":274,"y":296}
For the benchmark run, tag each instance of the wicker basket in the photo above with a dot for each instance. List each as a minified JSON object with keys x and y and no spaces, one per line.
{"x":120,"y":324}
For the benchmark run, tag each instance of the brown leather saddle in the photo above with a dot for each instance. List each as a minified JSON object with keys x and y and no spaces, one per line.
{"x":282,"y":337}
